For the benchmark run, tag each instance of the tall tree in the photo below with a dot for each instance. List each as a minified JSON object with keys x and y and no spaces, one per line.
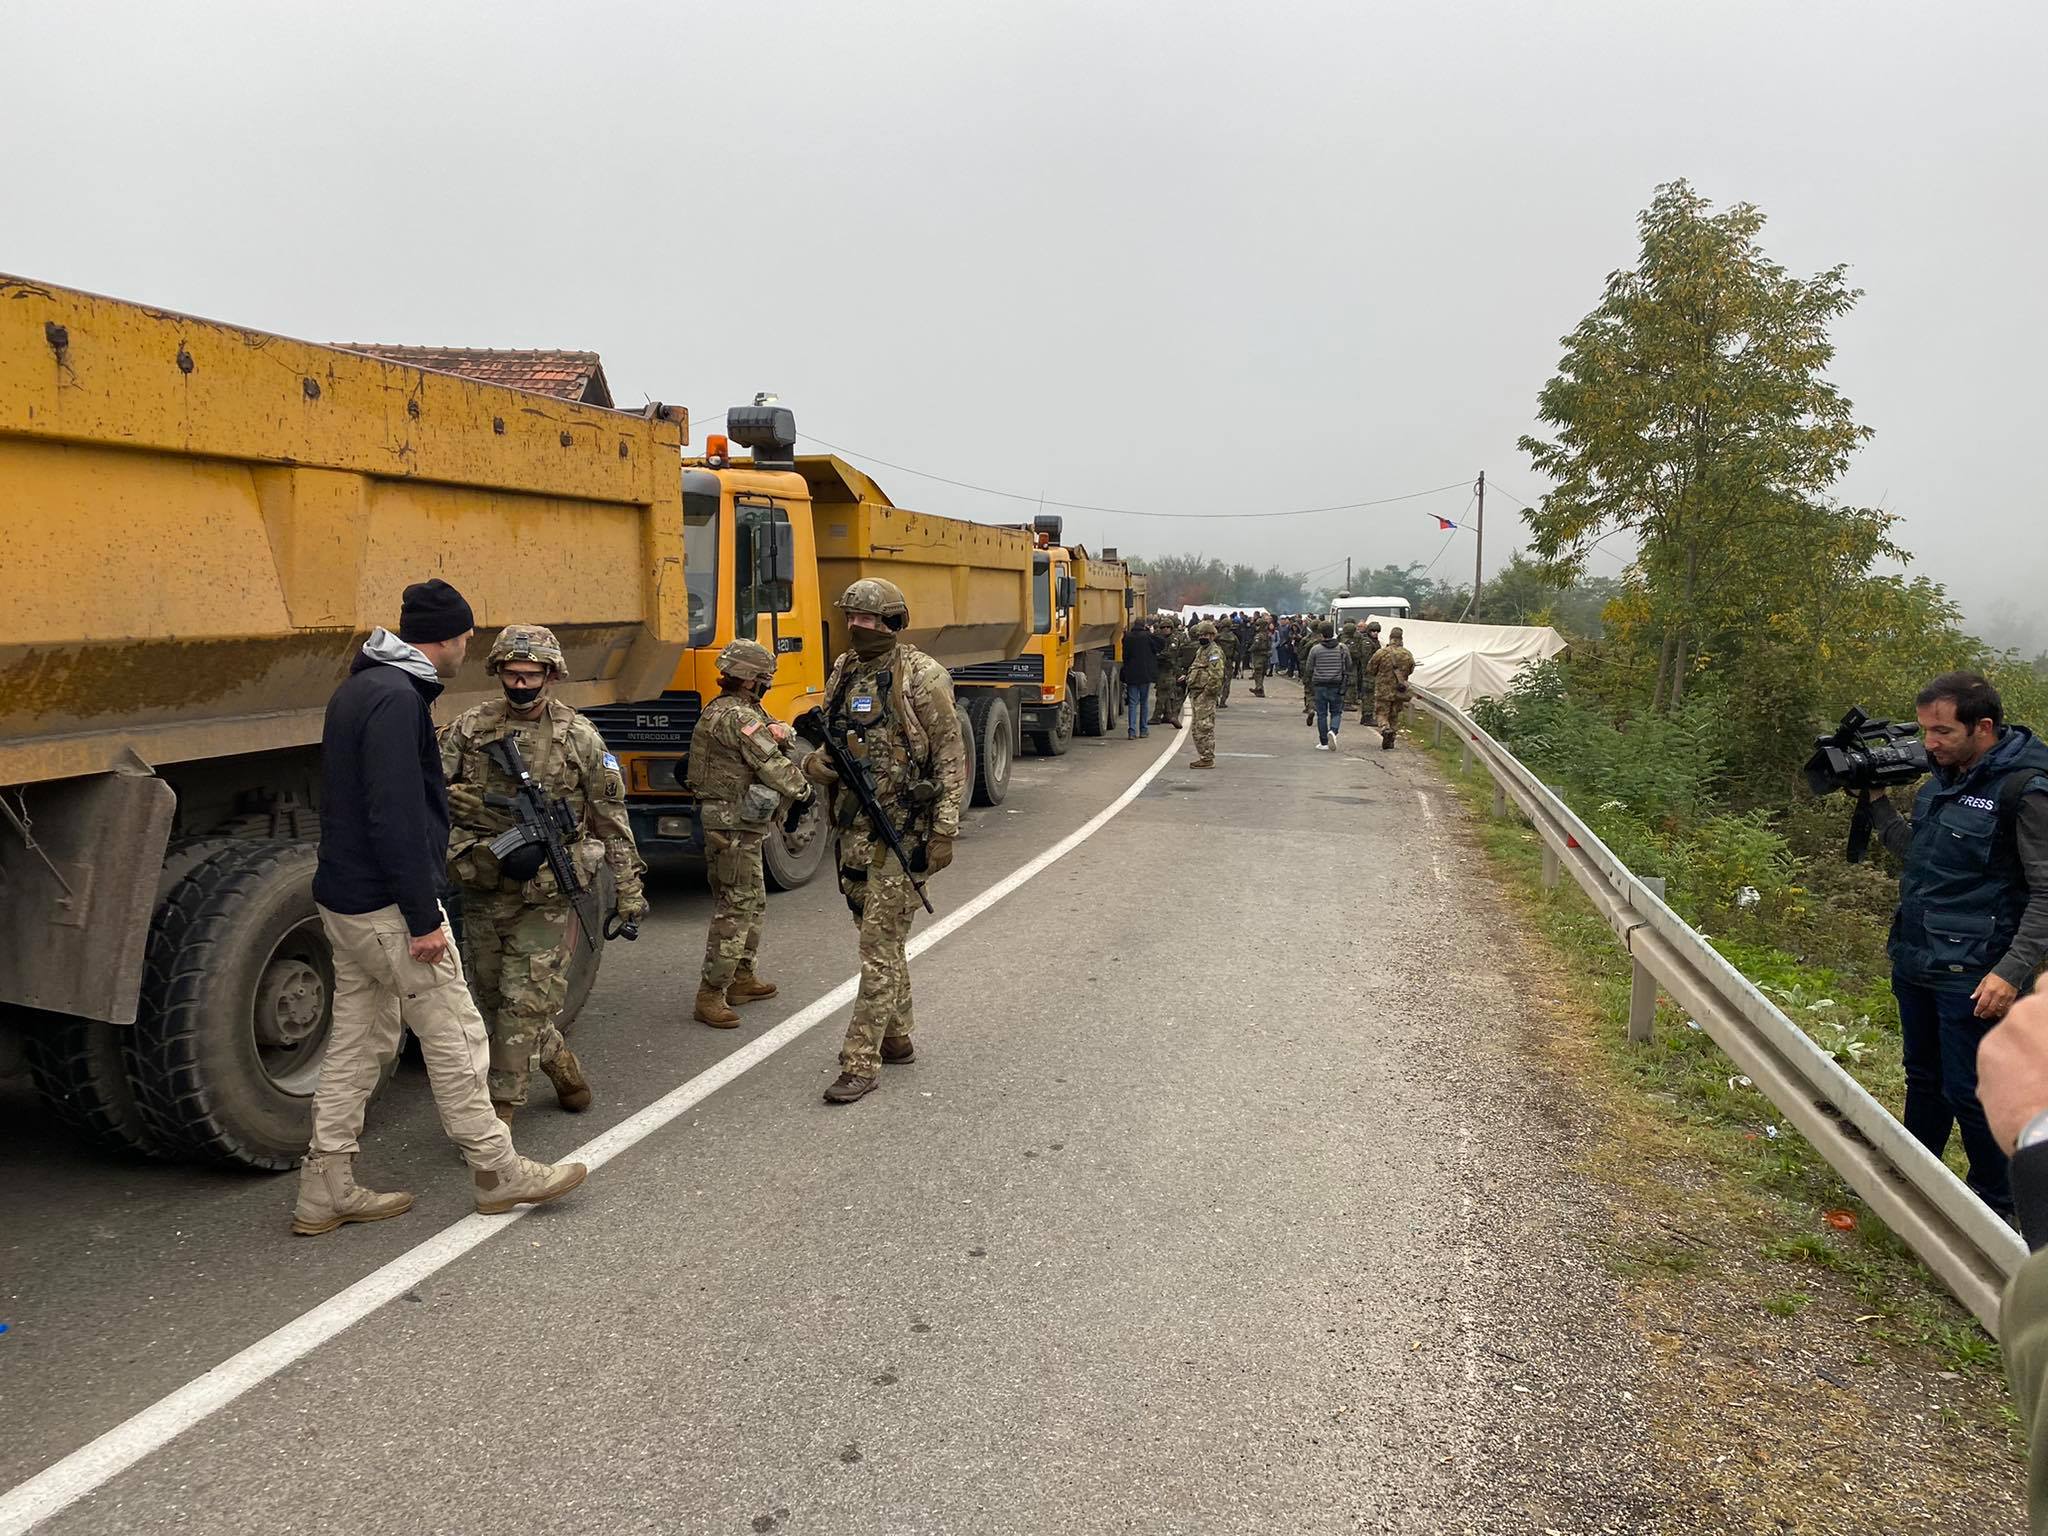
{"x":1691,"y":409}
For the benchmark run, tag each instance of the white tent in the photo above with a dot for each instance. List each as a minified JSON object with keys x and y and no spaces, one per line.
{"x":1468,"y":662}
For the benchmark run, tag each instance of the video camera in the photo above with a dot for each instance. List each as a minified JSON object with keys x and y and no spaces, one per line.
{"x":1865,"y":754}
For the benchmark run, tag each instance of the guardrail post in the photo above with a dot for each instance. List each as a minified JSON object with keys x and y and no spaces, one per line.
{"x":1551,"y":868}
{"x":1500,"y":800}
{"x":1436,"y":730}
{"x":1642,"y":992}
{"x":1465,"y":767}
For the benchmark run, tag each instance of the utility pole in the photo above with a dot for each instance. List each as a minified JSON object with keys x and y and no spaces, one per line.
{"x":1347,"y":573}
{"x":1478,"y":541}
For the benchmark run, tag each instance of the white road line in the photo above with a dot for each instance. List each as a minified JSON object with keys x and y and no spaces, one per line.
{"x":64,"y":1482}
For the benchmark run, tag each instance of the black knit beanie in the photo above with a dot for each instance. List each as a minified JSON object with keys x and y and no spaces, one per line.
{"x":432,"y":611}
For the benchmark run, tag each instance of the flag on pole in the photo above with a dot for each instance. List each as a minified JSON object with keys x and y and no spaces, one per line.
{"x":1445,"y":524}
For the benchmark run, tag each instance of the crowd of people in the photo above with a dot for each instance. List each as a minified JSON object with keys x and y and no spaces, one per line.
{"x":1168,"y":662}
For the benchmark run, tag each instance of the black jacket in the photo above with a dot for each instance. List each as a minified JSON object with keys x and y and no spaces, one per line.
{"x":1141,"y":657}
{"x":383,"y":800}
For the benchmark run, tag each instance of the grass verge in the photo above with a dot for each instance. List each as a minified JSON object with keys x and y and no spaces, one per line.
{"x":1795,"y":1322}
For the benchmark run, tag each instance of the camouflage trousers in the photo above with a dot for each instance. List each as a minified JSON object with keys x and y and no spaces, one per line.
{"x":883,"y":906}
{"x":739,"y":894}
{"x":1259,"y":659}
{"x":1168,"y":695}
{"x":1225,"y":695}
{"x":518,"y":957}
{"x":1205,"y":727}
{"x":1387,"y":705}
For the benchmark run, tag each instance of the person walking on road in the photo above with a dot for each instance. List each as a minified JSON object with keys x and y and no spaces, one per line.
{"x":1141,"y":671}
{"x":1262,"y":653}
{"x":1325,"y":673}
{"x":1363,"y":650}
{"x":517,"y":922}
{"x":745,"y":781}
{"x":383,"y":851}
{"x":1204,"y":680}
{"x":890,"y":706}
{"x":1392,"y":666}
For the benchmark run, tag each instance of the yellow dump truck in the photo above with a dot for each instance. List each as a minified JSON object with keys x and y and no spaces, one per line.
{"x":1083,"y":604}
{"x":202,"y":524}
{"x":771,"y":542}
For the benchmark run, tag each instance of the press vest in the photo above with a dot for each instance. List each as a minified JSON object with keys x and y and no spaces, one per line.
{"x":1963,"y":891}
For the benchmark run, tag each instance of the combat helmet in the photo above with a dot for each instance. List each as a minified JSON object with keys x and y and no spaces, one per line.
{"x":748,"y":661}
{"x":883,"y":599}
{"x":1372,"y":626}
{"x":526,"y":642}
{"x":1206,"y":630}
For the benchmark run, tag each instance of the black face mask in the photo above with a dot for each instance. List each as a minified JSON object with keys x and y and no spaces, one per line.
{"x":872,"y":644}
{"x":524,"y":698}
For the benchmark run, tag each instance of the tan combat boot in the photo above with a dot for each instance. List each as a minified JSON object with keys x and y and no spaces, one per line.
{"x":330,"y":1196}
{"x":711,"y":1009}
{"x":747,"y":987}
{"x":572,"y":1088}
{"x":524,"y":1183}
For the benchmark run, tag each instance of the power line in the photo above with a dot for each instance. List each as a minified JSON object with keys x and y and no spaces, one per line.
{"x":1080,"y":506}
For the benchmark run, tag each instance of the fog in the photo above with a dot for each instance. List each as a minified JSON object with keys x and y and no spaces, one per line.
{"x":1176,"y":258}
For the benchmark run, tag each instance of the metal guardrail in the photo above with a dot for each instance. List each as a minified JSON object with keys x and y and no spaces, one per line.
{"x":1951,"y":1231}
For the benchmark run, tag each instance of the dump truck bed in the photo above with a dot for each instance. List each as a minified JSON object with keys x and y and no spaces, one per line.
{"x":968,"y":584}
{"x":204,"y":521}
{"x":1099,"y":588}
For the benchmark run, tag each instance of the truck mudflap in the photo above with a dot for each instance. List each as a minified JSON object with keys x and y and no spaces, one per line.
{"x":79,"y":859}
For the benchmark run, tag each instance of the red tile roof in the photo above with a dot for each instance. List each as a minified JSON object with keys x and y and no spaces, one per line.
{"x":565,"y":375}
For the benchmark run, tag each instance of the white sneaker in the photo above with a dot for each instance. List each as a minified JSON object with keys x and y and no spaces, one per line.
{"x":1322,"y":746}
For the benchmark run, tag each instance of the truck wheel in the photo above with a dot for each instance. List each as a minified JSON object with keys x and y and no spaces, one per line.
{"x":969,"y":744}
{"x":80,"y":1068}
{"x":994,"y":749}
{"x":583,"y":960}
{"x":1091,"y":717}
{"x":1055,"y":742}
{"x":237,"y":999}
{"x":787,"y":867}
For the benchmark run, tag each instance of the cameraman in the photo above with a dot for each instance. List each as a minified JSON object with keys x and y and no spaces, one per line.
{"x":1971,"y":929}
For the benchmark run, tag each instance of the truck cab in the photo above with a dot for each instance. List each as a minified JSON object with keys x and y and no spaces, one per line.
{"x":1080,"y":607}
{"x":750,"y":567}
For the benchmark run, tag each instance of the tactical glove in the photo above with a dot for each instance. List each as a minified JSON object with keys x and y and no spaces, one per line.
{"x":819,"y":770}
{"x":938,"y":853}
{"x":465,"y":802}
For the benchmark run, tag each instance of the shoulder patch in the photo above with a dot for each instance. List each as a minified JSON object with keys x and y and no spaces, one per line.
{"x":751,"y":726}
{"x":611,"y":762}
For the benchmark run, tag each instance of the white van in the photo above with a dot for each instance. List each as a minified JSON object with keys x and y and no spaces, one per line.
{"x":1344,"y":609}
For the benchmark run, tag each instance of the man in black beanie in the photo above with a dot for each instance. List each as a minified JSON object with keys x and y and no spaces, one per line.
{"x":383,"y":851}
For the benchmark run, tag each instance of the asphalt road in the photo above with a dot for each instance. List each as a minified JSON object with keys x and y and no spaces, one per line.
{"x":1206,"y":1206}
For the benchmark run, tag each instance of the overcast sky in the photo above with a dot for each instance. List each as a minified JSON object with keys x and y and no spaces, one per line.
{"x":1181,"y":257}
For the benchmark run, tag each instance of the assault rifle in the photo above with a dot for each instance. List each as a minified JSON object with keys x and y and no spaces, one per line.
{"x":856,"y":776}
{"x":549,"y":826}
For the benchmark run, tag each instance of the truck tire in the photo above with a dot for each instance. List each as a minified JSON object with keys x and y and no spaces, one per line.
{"x":1055,"y":742}
{"x":788,"y":868}
{"x":995,"y":747}
{"x":1091,"y":718}
{"x":968,"y":744}
{"x":237,"y":999}
{"x":80,"y":1069}
{"x":583,"y":960}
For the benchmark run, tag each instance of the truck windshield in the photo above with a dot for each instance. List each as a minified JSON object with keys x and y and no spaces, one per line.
{"x":1041,"y":594}
{"x":700,"y":553}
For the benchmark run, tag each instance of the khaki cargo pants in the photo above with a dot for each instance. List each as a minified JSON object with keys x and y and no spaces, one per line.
{"x":378,"y":987}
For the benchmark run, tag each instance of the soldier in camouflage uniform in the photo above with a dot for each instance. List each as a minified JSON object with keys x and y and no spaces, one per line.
{"x":892,"y":708}
{"x":1262,"y":653}
{"x":745,"y":777}
{"x":516,"y":921}
{"x":1362,"y":653}
{"x":1226,"y":647}
{"x":1354,"y":681}
{"x":1391,"y":668}
{"x":1172,"y":691}
{"x":1204,"y":679}
{"x":1304,"y":643}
